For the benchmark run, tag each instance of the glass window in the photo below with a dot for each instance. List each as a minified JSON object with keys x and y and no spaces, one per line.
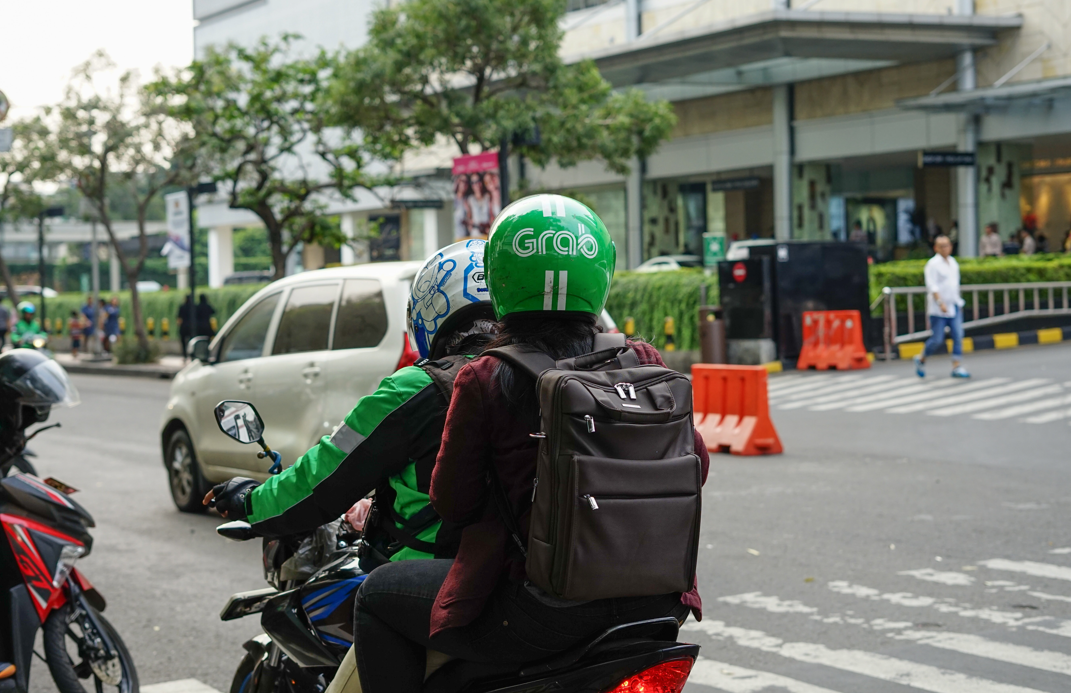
{"x":306,"y":320}
{"x":246,"y":340}
{"x":362,"y":317}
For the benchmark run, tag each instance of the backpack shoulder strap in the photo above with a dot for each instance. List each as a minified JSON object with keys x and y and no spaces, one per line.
{"x":616,"y":340}
{"x":534,"y":363}
{"x":443,"y":372}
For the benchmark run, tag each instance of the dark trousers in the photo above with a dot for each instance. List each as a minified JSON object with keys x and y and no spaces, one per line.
{"x":185,"y":338}
{"x":393,"y":611}
{"x":3,"y":338}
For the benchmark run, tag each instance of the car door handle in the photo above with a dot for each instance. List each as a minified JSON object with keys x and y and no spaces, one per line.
{"x":311,"y":372}
{"x":245,"y":378}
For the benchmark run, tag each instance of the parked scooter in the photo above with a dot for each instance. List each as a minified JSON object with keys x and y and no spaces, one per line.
{"x":307,"y":616}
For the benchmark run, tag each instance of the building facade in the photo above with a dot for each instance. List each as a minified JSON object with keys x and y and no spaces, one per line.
{"x":794,"y":122}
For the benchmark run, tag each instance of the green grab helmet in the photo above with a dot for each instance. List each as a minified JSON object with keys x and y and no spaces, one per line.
{"x":549,"y":253}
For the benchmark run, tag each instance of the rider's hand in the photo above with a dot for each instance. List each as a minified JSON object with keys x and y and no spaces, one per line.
{"x":358,"y":514}
{"x":229,"y":497}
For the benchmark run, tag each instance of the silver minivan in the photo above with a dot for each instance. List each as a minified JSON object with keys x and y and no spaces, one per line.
{"x":303,"y":349}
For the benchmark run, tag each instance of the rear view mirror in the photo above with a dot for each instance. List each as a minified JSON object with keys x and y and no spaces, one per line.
{"x":240,"y":421}
{"x":198,"y":349}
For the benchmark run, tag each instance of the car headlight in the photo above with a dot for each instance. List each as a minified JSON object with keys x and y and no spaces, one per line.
{"x":38,"y":343}
{"x":68,"y":555}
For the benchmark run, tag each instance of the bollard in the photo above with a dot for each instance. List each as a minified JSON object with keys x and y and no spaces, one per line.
{"x":712,"y":345}
{"x":165,"y":326}
{"x":59,"y":326}
{"x":670,"y":329}
{"x":122,"y":325}
{"x":213,"y":324}
{"x":150,"y":327}
{"x":630,"y":327}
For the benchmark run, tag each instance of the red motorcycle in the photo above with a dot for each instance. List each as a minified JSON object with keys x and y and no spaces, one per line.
{"x":44,"y":533}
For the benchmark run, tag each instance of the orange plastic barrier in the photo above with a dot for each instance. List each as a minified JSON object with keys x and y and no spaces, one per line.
{"x":833,"y":339}
{"x":731,"y":409}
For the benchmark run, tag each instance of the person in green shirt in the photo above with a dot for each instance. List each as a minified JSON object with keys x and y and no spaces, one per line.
{"x":389,"y":441}
{"x":27,"y":326}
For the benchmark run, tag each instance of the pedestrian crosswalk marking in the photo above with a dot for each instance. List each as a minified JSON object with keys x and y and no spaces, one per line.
{"x":1049,"y":417}
{"x":1044,"y":570}
{"x":818,"y":397}
{"x":915,"y":388}
{"x":734,"y":679}
{"x":930,"y":394}
{"x":959,"y":398}
{"x":944,"y":578}
{"x":1028,"y":408}
{"x":179,"y":686}
{"x":876,"y":666}
{"x":809,"y":384}
{"x":996,"y":402}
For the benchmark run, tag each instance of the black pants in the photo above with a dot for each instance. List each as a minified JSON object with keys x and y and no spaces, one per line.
{"x":3,"y":338}
{"x":393,"y":612}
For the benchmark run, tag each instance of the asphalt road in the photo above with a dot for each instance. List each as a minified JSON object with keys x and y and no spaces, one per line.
{"x":882,"y":550}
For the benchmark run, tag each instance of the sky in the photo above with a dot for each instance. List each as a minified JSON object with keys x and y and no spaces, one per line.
{"x":42,"y":40}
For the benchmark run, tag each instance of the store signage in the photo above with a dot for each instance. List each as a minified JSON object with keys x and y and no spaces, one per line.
{"x":927,"y":159}
{"x":177,"y":247}
{"x":751,"y":183}
{"x":416,"y":204}
{"x":739,"y":272}
{"x":713,"y":249}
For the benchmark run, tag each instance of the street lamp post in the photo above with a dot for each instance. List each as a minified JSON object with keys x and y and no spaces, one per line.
{"x":191,"y":194}
{"x":46,"y":212}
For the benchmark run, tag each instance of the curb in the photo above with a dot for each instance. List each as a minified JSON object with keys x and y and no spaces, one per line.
{"x":154,"y":372}
{"x":1005,"y":340}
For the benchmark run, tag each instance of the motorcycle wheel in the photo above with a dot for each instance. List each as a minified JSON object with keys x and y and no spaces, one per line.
{"x":65,"y":642}
{"x":243,"y":676}
{"x":187,"y":485}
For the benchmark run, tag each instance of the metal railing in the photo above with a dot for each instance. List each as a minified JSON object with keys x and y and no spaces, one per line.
{"x":1056,"y":294}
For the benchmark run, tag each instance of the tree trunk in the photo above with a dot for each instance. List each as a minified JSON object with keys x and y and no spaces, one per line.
{"x":132,"y":280}
{"x":275,"y":241}
{"x":12,"y":291}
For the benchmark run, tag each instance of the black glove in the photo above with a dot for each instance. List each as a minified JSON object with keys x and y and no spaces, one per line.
{"x":229,"y":497}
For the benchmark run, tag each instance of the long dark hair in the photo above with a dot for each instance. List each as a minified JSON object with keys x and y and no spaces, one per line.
{"x":558,"y":337}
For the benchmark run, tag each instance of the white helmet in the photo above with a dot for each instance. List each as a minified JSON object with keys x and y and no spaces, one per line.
{"x":449,"y":298}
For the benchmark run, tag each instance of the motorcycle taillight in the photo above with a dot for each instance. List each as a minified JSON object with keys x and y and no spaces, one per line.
{"x":667,"y":677}
{"x":409,"y":354}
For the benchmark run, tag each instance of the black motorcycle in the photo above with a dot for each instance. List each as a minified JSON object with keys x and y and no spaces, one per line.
{"x":307,"y":615}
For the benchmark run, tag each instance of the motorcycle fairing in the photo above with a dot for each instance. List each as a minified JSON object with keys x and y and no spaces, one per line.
{"x":38,"y":498}
{"x":36,"y":549}
{"x":329,"y":605}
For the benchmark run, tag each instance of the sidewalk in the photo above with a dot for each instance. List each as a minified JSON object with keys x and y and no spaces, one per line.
{"x":165,"y":368}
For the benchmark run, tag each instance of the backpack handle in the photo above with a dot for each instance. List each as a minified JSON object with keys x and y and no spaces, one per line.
{"x":661,"y":395}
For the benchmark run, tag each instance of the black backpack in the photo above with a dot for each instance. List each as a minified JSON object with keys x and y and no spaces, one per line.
{"x":617,"y":498}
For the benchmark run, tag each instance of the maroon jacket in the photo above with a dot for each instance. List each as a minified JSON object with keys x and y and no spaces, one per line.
{"x":481,"y":430}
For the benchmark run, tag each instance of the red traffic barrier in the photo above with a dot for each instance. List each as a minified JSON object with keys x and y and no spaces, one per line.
{"x":833,"y":339}
{"x":732,"y":411}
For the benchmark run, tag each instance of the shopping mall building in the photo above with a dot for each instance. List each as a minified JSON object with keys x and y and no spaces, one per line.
{"x":803,"y":122}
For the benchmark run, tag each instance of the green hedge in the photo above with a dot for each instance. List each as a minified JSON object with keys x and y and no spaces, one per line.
{"x":156,"y":305}
{"x":650,"y":297}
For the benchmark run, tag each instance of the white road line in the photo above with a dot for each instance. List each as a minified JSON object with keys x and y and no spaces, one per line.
{"x":1047,"y":418}
{"x":1045,"y":570}
{"x":969,"y":397}
{"x":1024,"y":409}
{"x":877,"y":384}
{"x":179,"y":686}
{"x":931,"y":393}
{"x":1046,"y":660}
{"x":997,"y":401}
{"x":1051,"y":597}
{"x":914,"y":388}
{"x":1061,"y":551}
{"x":812,"y":384}
{"x":882,"y":667}
{"x":734,"y":679}
{"x":778,"y":382}
{"x":931,"y":575}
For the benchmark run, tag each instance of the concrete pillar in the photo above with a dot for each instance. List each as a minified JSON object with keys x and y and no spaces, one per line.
{"x":220,"y":255}
{"x":113,"y":269}
{"x":634,"y":215}
{"x":967,"y":176}
{"x":632,"y":19}
{"x":348,"y":224}
{"x":782,"y":162}
{"x":431,"y":232}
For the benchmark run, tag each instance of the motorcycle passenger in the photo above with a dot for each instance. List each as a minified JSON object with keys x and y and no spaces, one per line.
{"x":389,"y":441}
{"x":27,"y":326}
{"x":31,"y":385}
{"x":480,"y":607}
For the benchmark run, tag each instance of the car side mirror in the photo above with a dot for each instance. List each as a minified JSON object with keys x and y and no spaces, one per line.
{"x":240,"y":420}
{"x":198,"y":349}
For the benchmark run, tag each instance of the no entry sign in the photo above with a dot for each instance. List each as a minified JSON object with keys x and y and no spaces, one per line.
{"x":739,"y":272}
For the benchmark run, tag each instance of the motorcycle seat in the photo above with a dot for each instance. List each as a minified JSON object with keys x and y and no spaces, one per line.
{"x":458,"y":675}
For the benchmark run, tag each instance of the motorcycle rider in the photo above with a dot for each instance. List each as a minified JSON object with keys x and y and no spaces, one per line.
{"x":31,"y":384}
{"x":27,"y":326}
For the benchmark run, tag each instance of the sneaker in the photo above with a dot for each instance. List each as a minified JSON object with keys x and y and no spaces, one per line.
{"x":960,"y":372}
{"x":920,"y":367}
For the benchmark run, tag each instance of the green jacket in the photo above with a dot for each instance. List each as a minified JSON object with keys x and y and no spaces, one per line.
{"x":25,"y":329}
{"x":388,"y":442}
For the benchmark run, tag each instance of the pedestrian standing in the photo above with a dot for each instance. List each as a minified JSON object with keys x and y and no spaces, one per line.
{"x":89,"y":331}
{"x":186,"y":321}
{"x":204,"y":314}
{"x":75,"y":329}
{"x":5,"y":323}
{"x":991,"y":244}
{"x":1029,"y":245}
{"x":944,"y":306}
{"x":111,"y":324}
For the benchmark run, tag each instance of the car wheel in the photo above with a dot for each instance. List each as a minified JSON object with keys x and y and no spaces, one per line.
{"x":184,"y":474}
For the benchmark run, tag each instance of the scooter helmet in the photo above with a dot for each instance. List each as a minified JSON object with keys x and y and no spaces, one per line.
{"x":449,"y":299}
{"x":32,"y":379}
{"x":27,"y":307}
{"x":551,"y":254}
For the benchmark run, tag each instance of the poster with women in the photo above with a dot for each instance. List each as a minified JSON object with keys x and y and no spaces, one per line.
{"x":477,"y":194}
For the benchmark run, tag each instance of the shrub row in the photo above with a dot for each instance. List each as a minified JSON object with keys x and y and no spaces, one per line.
{"x":649,"y":298}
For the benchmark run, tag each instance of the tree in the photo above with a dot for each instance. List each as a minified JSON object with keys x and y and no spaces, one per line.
{"x":482,"y":71}
{"x":258,"y":118}
{"x":30,"y":160}
{"x":117,"y":135}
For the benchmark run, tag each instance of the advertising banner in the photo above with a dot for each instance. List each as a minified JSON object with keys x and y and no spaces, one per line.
{"x":477,"y":194}
{"x":177,"y":248}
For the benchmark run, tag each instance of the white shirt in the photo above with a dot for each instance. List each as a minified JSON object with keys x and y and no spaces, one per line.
{"x":942,"y":278}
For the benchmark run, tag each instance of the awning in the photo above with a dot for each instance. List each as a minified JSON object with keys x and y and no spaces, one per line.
{"x":782,"y":46}
{"x":985,"y":99}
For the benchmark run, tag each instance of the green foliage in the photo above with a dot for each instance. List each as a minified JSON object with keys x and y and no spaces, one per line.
{"x":649,"y":297}
{"x":479,"y":71}
{"x":128,"y":351}
{"x":258,"y":117}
